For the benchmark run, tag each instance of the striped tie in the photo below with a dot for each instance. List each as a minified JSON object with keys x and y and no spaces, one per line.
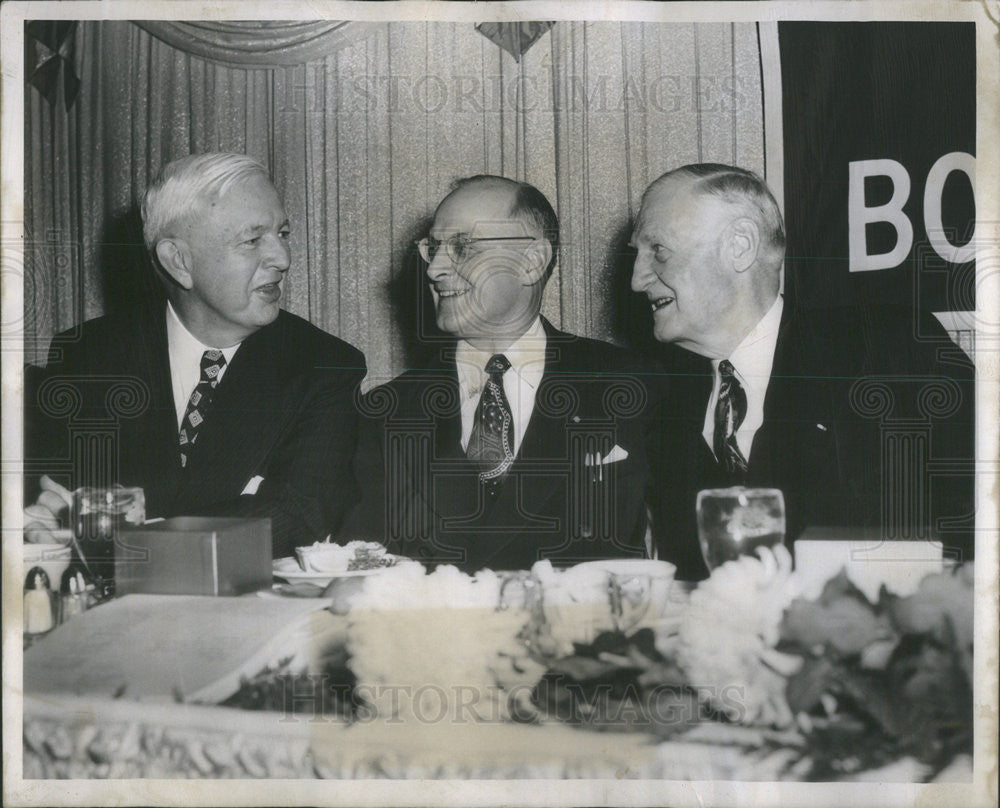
{"x":730,"y":410}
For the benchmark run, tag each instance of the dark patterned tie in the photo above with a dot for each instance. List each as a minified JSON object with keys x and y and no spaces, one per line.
{"x":730,"y":410}
{"x":491,"y":444}
{"x":212,"y":362}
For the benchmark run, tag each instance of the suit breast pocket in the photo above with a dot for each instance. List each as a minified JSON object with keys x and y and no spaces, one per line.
{"x":600,"y":493}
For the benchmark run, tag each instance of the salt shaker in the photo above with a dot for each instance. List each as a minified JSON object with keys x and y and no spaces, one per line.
{"x":38,"y":612}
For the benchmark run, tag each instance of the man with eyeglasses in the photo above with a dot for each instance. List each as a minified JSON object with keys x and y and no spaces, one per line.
{"x":513,"y":441}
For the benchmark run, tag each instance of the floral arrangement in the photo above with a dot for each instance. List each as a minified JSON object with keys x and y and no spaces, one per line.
{"x":728,"y":635}
{"x":852,"y":684}
{"x":839,"y":683}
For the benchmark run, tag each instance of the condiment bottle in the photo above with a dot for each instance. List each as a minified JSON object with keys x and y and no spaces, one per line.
{"x":38,"y":614}
{"x":74,"y":596}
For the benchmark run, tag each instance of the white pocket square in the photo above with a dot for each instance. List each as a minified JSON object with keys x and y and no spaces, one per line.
{"x":616,"y":454}
{"x":251,"y":487}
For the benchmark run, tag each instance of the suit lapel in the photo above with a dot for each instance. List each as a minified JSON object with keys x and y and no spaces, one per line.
{"x":545,"y":434}
{"x":544,"y":441}
{"x":450,"y":486}
{"x":778,"y":403}
{"x":794,"y":392}
{"x":689,"y":388}
{"x":149,"y":443}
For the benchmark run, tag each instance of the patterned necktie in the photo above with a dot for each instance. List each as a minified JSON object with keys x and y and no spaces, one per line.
{"x":491,"y":444}
{"x":730,"y":410}
{"x":212,"y":362}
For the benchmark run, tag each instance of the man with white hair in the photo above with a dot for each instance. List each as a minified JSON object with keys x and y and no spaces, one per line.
{"x":234,"y":407}
{"x":813,"y":403}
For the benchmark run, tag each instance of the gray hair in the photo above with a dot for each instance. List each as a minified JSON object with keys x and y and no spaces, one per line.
{"x":181,"y":185}
{"x":742,"y":189}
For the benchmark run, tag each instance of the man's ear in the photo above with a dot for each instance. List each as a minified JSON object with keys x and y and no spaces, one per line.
{"x":175,"y":258}
{"x":742,"y":243}
{"x":538,"y":256}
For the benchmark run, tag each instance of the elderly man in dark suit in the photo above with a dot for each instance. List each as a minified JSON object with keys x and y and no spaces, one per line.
{"x":215,"y":401}
{"x":513,"y":441}
{"x":840,"y":409}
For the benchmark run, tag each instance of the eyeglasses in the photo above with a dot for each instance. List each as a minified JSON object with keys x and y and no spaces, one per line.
{"x":457,"y":246}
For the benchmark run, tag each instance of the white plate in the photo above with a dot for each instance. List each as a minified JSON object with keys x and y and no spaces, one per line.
{"x":288,"y":569}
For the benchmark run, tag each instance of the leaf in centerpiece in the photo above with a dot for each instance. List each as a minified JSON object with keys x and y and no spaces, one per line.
{"x":841,"y":618}
{"x":606,"y":642}
{"x":582,"y":668}
{"x":805,"y":688}
{"x":932,"y":699}
{"x":674,"y":710}
{"x":844,"y":745}
{"x":946,"y":594}
{"x":618,"y":683}
{"x":644,"y":641}
{"x":870,"y":694}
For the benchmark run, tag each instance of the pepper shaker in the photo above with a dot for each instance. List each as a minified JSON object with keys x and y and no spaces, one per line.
{"x":74,"y":596}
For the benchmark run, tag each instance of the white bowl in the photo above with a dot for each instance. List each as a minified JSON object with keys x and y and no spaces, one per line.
{"x":660,"y":575}
{"x":53,"y":558}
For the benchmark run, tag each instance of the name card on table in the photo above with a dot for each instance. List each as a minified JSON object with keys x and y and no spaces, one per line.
{"x":870,"y":561}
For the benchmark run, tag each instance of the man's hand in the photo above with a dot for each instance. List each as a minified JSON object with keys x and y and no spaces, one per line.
{"x":42,"y":518}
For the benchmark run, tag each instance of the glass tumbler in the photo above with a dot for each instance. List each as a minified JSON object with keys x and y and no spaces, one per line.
{"x":736,"y":521}
{"x":97,"y":515}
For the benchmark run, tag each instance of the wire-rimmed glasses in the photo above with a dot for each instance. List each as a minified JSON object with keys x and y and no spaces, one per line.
{"x":457,"y":246}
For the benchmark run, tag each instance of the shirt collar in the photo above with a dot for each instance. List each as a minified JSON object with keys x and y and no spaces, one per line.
{"x":182,"y":342}
{"x":753,"y":357}
{"x":526,"y":356}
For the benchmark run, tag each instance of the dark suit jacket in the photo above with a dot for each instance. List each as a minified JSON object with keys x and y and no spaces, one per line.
{"x":102,"y":411}
{"x":868,"y":422}
{"x":423,"y":497}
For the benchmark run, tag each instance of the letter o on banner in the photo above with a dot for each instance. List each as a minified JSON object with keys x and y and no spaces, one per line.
{"x":936,"y":178}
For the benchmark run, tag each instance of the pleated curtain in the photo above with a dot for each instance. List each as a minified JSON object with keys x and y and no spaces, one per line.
{"x":363,"y":139}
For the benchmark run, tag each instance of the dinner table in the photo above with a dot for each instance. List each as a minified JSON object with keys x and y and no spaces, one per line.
{"x":161,"y":686}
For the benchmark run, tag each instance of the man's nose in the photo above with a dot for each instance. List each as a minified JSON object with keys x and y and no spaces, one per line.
{"x":440,"y":266}
{"x":641,"y":273}
{"x":280,"y":254}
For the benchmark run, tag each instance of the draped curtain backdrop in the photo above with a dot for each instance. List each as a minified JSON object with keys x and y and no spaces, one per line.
{"x":364,"y":127}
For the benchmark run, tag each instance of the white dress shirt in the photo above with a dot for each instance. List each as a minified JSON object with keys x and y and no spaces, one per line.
{"x":752,"y":361}
{"x":520,"y":382}
{"x":185,"y":351}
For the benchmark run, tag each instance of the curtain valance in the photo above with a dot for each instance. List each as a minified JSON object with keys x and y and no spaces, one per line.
{"x":258,"y":44}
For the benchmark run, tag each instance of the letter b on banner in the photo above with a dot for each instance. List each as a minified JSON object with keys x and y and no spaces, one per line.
{"x":858,"y":215}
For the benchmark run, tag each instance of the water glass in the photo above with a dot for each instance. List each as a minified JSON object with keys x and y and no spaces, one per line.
{"x":736,"y":521}
{"x":97,"y":515}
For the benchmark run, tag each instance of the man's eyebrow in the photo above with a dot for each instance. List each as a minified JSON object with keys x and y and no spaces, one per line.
{"x":252,"y":230}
